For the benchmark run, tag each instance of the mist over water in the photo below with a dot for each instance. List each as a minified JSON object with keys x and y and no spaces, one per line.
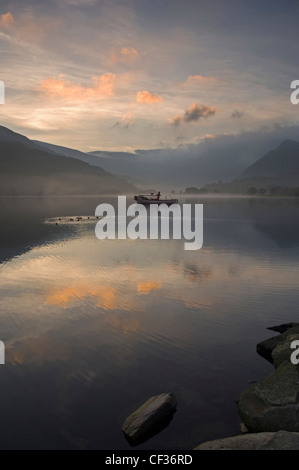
{"x":93,"y":328}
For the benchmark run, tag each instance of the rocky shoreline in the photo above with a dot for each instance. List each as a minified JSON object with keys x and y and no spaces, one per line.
{"x":269,"y":409}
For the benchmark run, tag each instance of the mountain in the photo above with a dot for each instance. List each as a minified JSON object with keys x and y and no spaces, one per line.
{"x":28,"y":169}
{"x":119,"y":163}
{"x":223,"y":157}
{"x":284,"y":160}
{"x":233,"y":159}
{"x":7,"y":135}
{"x":68,"y":152}
{"x":219,"y":158}
{"x":276,"y":173}
{"x":127,"y":165}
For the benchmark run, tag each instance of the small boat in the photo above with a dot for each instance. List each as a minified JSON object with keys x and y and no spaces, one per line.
{"x":154,"y":199}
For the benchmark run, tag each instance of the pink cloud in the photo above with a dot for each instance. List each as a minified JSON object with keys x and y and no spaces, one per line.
{"x":103,"y":86}
{"x":28,"y":27}
{"x":6,"y":20}
{"x":196,"y":80}
{"x":127,"y":120}
{"x":148,"y":98}
{"x":126,"y":55}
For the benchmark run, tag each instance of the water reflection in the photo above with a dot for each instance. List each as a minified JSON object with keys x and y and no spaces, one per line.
{"x":93,"y":328}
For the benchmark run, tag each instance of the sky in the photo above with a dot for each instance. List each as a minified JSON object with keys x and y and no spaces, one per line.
{"x":122,"y":75}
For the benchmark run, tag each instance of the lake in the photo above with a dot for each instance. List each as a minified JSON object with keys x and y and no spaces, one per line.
{"x":93,"y":328}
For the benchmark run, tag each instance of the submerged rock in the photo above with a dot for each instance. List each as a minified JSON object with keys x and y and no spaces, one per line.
{"x":283,"y":327}
{"x":150,"y":418}
{"x":281,"y":440}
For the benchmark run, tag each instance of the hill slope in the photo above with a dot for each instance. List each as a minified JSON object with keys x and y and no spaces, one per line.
{"x":27,"y":169}
{"x":273,"y":173}
{"x":284,"y":160}
{"x":174,"y":168}
{"x":7,"y":135}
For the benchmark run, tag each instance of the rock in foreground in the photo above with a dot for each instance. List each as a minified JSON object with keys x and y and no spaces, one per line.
{"x":273,"y":403}
{"x":281,"y":440}
{"x":265,"y":348}
{"x":151,"y":417}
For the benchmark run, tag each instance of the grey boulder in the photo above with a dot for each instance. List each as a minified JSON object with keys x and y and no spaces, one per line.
{"x":273,"y":403}
{"x":280,"y":440}
{"x":282,"y":352}
{"x":150,"y":418}
{"x":266,"y":347}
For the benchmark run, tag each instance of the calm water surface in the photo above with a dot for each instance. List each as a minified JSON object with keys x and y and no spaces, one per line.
{"x":94,"y":328}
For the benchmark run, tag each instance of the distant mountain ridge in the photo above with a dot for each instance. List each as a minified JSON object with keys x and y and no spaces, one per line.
{"x":280,"y":161}
{"x":223,"y":159}
{"x":276,"y":172}
{"x":7,"y":135}
{"x":235,"y":166}
{"x":170,"y":168}
{"x":28,"y":169}
{"x":68,"y":152}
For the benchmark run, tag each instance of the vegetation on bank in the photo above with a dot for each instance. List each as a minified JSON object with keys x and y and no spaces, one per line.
{"x":228,"y":188}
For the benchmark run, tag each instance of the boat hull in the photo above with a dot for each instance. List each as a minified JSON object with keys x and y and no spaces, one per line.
{"x":147,"y":202}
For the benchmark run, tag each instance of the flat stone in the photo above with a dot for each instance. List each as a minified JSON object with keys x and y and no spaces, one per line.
{"x":149,"y":416}
{"x":281,"y":440}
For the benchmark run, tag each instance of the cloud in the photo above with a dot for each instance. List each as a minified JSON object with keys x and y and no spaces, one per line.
{"x":103,"y":86}
{"x":209,"y":136}
{"x":193,"y":113}
{"x":237,"y":114}
{"x":129,"y":53}
{"x":126,"y":55}
{"x":127,"y":120}
{"x":28,"y":27}
{"x":148,"y":98}
{"x":176,"y":121}
{"x":79,"y":3}
{"x":194,"y":80}
{"x":6,"y":20}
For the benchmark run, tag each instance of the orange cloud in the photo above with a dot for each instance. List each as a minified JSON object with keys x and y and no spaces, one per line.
{"x":175,"y":121}
{"x":194,"y":80}
{"x":28,"y":27}
{"x":146,"y":287}
{"x":148,"y":98}
{"x":104,"y":86}
{"x":6,"y":20}
{"x":124,"y":56}
{"x":127,"y":120}
{"x":129,"y":53}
